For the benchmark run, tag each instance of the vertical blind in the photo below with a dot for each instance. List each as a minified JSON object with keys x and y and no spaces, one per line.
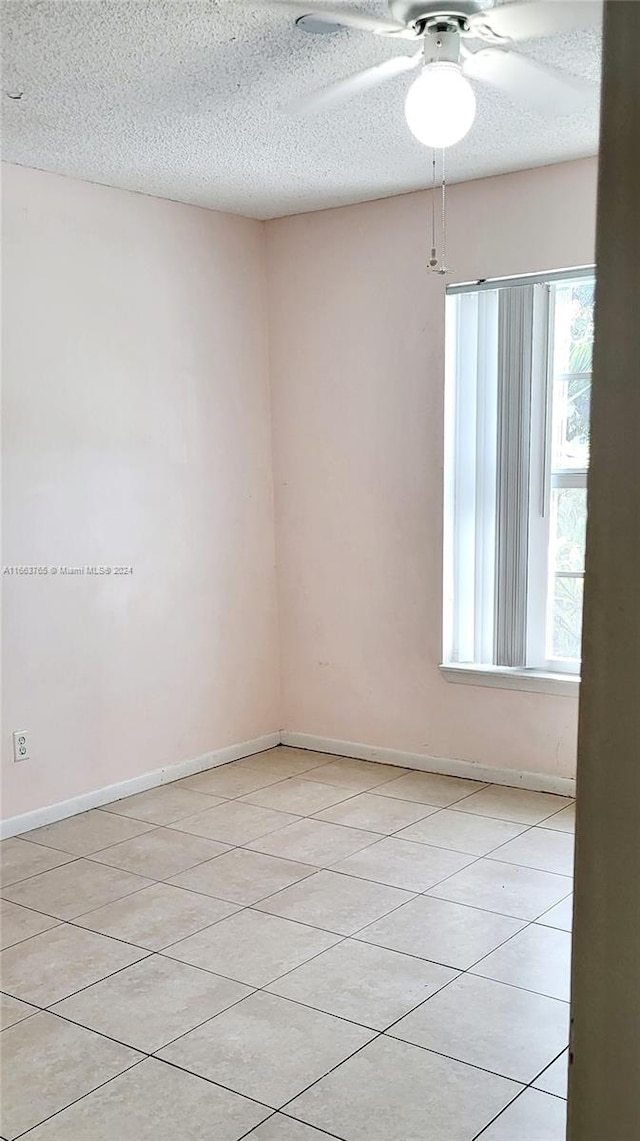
{"x":487,"y":486}
{"x":515,"y":333}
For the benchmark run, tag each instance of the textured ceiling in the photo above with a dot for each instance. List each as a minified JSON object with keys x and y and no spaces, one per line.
{"x":187,"y":100}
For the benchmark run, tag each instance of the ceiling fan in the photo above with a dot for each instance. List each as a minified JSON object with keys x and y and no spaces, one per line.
{"x":440,"y":106}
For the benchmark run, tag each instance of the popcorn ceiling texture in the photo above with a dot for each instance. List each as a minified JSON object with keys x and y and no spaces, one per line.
{"x":188,"y":101}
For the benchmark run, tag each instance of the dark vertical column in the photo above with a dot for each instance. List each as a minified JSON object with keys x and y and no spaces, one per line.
{"x":604,"y":1093}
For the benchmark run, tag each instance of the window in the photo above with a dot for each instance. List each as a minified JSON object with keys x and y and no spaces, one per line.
{"x":516,"y":457}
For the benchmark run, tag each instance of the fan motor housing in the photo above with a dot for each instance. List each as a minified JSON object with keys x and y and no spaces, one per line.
{"x":423,"y":12}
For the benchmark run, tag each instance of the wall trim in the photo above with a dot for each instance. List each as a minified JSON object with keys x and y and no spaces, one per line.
{"x":15,"y":825}
{"x":534,"y":782}
{"x":502,"y":677}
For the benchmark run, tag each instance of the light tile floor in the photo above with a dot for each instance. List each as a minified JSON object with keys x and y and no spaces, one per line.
{"x":290,"y":947}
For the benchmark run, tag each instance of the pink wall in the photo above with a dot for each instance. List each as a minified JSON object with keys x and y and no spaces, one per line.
{"x":136,"y":432}
{"x":356,"y":349}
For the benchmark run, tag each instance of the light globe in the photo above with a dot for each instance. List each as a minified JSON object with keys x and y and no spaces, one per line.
{"x":440,"y":105}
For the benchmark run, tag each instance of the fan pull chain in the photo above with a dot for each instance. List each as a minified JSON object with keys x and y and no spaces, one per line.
{"x":443,"y":259}
{"x":438,"y":264}
{"x":433,"y":260}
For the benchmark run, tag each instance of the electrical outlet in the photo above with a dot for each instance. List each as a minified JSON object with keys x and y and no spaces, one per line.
{"x":21,"y":745}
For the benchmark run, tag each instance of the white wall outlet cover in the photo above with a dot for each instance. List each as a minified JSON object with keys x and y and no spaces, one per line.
{"x":20,"y":745}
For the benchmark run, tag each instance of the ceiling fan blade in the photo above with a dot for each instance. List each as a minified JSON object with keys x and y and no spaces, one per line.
{"x":344,"y":89}
{"x":532,"y":84}
{"x":533,"y":19}
{"x":345,"y":17}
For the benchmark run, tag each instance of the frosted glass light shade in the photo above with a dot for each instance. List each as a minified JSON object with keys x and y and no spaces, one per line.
{"x":440,"y":105}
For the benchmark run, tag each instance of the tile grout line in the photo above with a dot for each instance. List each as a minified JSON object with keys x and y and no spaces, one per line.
{"x":251,"y":907}
{"x":529,"y":1086}
{"x":26,"y":1132}
{"x":263,"y":989}
{"x":353,"y":793}
{"x":278,"y":1113}
{"x":317,"y":868}
{"x":473,"y":860}
{"x":376,"y":1034}
{"x":478,"y":1136}
{"x":342,"y":938}
{"x":353,"y":935}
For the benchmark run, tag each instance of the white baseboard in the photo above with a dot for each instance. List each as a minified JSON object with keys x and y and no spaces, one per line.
{"x":535,"y":782}
{"x":99,"y":796}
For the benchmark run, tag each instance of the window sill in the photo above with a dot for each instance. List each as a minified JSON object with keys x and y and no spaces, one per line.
{"x":501,"y":677}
